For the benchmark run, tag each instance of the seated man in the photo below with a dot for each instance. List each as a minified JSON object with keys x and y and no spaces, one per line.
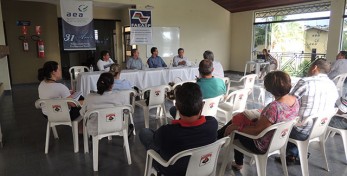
{"x":155,"y":61}
{"x":337,"y":121}
{"x":218,"y":68}
{"x":190,"y":131}
{"x":210,"y":86}
{"x":105,"y":62}
{"x":180,"y":59}
{"x":134,"y":62}
{"x":339,"y":66}
{"x":316,"y":94}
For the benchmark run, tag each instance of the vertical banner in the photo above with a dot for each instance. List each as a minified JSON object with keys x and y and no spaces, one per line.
{"x":77,"y":25}
{"x":140,"y":27}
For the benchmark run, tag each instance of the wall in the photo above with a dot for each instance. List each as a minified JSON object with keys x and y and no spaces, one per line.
{"x":241,"y":39}
{"x":24,"y":65}
{"x":4,"y":72}
{"x":203,"y":24}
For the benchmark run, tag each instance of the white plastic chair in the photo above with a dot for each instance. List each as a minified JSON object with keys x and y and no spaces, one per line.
{"x":57,"y":111}
{"x":227,"y":84}
{"x":156,"y":100}
{"x":342,"y":132}
{"x":111,"y":122}
{"x":339,"y":81}
{"x":234,"y":103}
{"x":74,"y":71}
{"x":132,"y":94}
{"x":211,"y":106}
{"x":248,"y":83}
{"x":317,"y":134}
{"x":202,"y":162}
{"x":277,"y":146}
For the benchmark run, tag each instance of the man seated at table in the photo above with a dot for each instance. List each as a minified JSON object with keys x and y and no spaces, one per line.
{"x":105,"y":62}
{"x":134,"y":62}
{"x":155,"y":61}
{"x":339,"y":66}
{"x":218,"y":68}
{"x":180,"y":59}
{"x":190,"y":131}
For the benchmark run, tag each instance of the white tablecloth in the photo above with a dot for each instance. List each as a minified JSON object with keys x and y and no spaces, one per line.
{"x":86,"y":81}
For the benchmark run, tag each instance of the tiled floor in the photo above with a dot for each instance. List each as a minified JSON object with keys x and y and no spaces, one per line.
{"x":24,"y":131}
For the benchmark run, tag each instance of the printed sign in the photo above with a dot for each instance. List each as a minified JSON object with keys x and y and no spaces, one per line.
{"x":323,"y":121}
{"x":77,"y":25}
{"x":56,"y":108}
{"x":157,"y":92}
{"x":284,"y":133}
{"x":205,"y":159}
{"x":110,"y":117}
{"x":211,"y":105}
{"x":140,"y":27}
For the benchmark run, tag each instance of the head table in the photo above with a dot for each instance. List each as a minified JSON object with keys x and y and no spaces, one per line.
{"x":86,"y":81}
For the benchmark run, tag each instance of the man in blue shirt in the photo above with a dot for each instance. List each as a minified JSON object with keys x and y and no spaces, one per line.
{"x":155,"y":61}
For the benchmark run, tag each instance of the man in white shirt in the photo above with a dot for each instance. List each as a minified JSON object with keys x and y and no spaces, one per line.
{"x":105,"y":62}
{"x":316,"y":94}
{"x":339,"y":66}
{"x":218,"y":68}
{"x":180,"y":59}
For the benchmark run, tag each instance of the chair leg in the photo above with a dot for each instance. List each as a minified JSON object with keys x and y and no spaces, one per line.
{"x":75,"y":136}
{"x":126,"y":146}
{"x":261,"y":162}
{"x":303,"y":150}
{"x":163,"y":110}
{"x":95,"y":153}
{"x":55,"y":133}
{"x":146,"y":116}
{"x":229,"y":151}
{"x":85,"y":138}
{"x":132,"y":122}
{"x":344,"y":140}
{"x":322,"y":147}
{"x":47,"y":137}
{"x":283,"y":160}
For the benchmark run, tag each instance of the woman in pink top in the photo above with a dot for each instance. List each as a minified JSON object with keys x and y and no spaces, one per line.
{"x":284,"y":108}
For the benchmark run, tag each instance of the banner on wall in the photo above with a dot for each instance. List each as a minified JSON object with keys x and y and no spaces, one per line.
{"x":77,"y":25}
{"x":140,"y":27}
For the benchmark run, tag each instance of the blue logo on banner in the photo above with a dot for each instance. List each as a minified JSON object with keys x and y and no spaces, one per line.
{"x":140,"y":18}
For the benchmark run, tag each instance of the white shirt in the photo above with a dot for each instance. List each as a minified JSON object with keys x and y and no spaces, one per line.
{"x":177,"y":59}
{"x":218,"y":70}
{"x":53,"y":90}
{"x":104,"y":65}
{"x":108,"y":99}
{"x":338,"y":67}
{"x":316,"y":94}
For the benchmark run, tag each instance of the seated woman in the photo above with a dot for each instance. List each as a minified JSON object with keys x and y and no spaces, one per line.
{"x":119,"y":84}
{"x":49,"y":88}
{"x":284,"y":108}
{"x":104,"y":98}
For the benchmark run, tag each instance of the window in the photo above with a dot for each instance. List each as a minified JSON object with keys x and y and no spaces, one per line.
{"x":297,"y":29}
{"x":344,"y":32}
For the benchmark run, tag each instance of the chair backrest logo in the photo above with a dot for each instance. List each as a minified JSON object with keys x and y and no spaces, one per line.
{"x":284,"y":132}
{"x":211,"y":105}
{"x":205,"y":159}
{"x":157,"y":92}
{"x":110,"y":117}
{"x":240,"y":96}
{"x":323,"y":121}
{"x":56,"y":108}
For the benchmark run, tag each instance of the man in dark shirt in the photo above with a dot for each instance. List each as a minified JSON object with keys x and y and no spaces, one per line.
{"x":190,"y":131}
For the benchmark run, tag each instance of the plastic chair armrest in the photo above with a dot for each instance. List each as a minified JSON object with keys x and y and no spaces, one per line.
{"x":157,"y":158}
{"x":257,"y":136}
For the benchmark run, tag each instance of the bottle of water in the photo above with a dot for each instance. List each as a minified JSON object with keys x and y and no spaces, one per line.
{"x":91,"y":68}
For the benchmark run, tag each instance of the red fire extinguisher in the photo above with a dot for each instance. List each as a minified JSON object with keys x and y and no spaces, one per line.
{"x":40,"y":49}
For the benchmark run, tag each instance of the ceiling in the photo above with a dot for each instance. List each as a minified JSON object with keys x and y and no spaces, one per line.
{"x":246,"y":5}
{"x":97,"y":4}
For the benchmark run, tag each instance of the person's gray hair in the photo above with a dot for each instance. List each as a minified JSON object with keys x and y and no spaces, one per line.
{"x":205,"y":67}
{"x":208,"y":55}
{"x":323,"y":65}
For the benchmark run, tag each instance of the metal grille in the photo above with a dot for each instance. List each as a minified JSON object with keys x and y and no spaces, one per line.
{"x":309,"y":8}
